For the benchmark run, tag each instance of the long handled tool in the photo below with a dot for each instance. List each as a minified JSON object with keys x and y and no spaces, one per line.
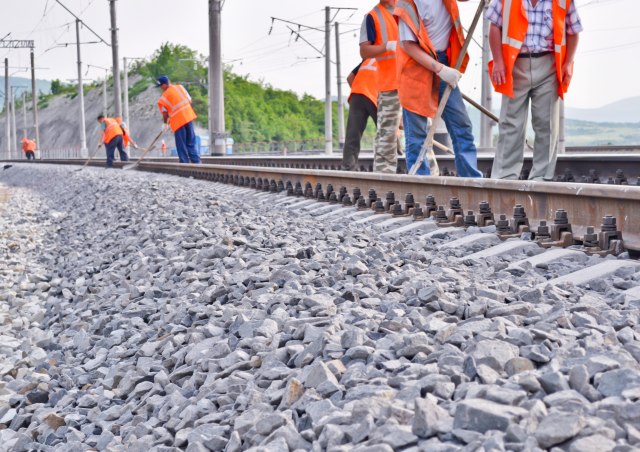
{"x":93,"y":154}
{"x":146,"y":151}
{"x":427,"y":147}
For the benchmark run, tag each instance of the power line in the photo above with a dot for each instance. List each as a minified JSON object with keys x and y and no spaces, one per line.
{"x":83,"y":23}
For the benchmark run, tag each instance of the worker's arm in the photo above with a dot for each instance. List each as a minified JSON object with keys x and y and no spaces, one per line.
{"x":350,"y":78}
{"x":449,"y":75}
{"x":352,"y":75}
{"x":499,"y":75}
{"x":421,"y":57}
{"x":369,"y":50}
{"x":367,"y":38}
{"x":567,"y":67}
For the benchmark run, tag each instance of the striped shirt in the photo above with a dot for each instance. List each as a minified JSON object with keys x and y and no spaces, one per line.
{"x":539,"y":36}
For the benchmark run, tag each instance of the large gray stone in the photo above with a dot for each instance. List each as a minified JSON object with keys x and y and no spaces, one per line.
{"x":482,"y":415}
{"x":557,"y":428}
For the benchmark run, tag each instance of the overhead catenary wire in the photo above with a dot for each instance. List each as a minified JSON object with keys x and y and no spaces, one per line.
{"x":83,"y":23}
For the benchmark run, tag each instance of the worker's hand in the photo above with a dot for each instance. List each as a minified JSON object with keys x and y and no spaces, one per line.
{"x":165,"y":126}
{"x":499,"y":74}
{"x":567,"y":72}
{"x":135,"y":146}
{"x":449,"y":75}
{"x":391,"y":46}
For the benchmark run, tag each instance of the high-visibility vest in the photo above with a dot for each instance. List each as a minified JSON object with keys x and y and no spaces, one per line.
{"x":31,"y":146}
{"x":514,"y":30}
{"x":366,"y":81}
{"x":418,"y":87}
{"x":386,"y":30}
{"x":111,"y":131}
{"x":175,"y":101}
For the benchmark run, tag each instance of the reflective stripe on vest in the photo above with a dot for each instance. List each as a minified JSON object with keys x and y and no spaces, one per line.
{"x":418,"y":87}
{"x":366,"y":81}
{"x":386,"y":30}
{"x":514,"y":29}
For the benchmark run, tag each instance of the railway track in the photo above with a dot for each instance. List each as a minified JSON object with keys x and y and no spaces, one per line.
{"x":611,"y":168}
{"x":293,"y":317}
{"x":596,"y":216}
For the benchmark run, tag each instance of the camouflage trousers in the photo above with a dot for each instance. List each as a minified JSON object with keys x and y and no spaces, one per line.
{"x":385,"y":158}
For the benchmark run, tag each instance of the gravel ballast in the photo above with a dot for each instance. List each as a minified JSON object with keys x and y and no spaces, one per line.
{"x":149,"y":312}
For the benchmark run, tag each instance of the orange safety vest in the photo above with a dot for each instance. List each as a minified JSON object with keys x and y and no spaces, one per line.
{"x":366,"y":81}
{"x":418,"y":87}
{"x":31,"y":145}
{"x":111,"y":131}
{"x":386,"y":30}
{"x":175,"y":101}
{"x":514,"y":29}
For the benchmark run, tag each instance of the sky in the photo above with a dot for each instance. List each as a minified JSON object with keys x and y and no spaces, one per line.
{"x":607,"y":64}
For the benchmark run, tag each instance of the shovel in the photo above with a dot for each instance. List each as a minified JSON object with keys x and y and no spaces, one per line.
{"x":93,"y":154}
{"x":146,"y":151}
{"x":427,"y":147}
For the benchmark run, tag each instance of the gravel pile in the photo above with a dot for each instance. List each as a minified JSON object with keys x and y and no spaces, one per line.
{"x":146,"y":312}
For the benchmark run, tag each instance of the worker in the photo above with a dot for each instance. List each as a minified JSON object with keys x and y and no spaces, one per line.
{"x":29,"y":147}
{"x":112,"y":137}
{"x":363,"y":104}
{"x":431,"y":39}
{"x":163,"y":148}
{"x":378,"y":39}
{"x":177,"y":113}
{"x":533,"y":43}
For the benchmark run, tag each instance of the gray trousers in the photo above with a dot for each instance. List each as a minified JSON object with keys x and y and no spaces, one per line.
{"x":535,"y":83}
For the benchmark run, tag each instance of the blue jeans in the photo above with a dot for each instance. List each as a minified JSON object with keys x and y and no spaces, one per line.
{"x":186,"y":144}
{"x":458,"y":124}
{"x":110,"y":147}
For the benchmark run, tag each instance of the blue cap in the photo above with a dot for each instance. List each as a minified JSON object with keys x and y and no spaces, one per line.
{"x":162,"y":80}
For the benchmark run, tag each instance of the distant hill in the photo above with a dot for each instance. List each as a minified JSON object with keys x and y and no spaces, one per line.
{"x":24,"y":84}
{"x":625,"y":110}
{"x":617,"y":123}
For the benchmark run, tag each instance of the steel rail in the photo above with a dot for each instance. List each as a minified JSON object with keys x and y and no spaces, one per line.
{"x":586,"y":204}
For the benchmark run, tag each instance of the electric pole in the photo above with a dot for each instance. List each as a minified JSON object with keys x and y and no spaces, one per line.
{"x":7,"y":130}
{"x":34,"y":100}
{"x":24,"y":114}
{"x":117,"y":96}
{"x":217,"y":135}
{"x":14,"y":134}
{"x":83,"y":132}
{"x":104,"y":95}
{"x":125,"y":97}
{"x":328,"y":125}
{"x":340,"y":101}
{"x":486,"y":123}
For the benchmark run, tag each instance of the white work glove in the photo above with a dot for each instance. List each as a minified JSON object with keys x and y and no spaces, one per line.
{"x":165,"y":126}
{"x":391,"y":46}
{"x":449,"y":75}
